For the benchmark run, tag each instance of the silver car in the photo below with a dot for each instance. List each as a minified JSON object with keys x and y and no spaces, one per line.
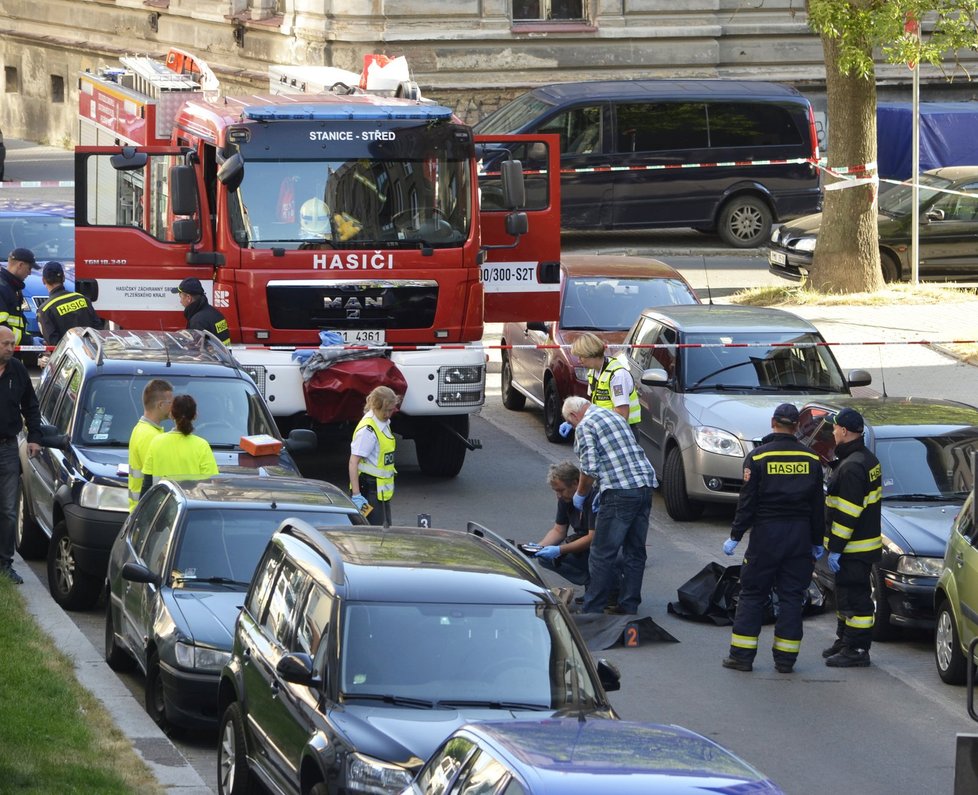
{"x":709,"y":378}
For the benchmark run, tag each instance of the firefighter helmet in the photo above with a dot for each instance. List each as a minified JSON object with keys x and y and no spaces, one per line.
{"x":314,"y":218}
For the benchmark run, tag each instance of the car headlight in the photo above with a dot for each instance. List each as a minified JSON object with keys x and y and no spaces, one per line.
{"x":920,"y":567}
{"x":364,"y":774}
{"x":804,"y":244}
{"x":714,"y":440}
{"x":203,"y":659}
{"x":104,"y":498}
{"x":580,"y":373}
{"x":776,"y":234}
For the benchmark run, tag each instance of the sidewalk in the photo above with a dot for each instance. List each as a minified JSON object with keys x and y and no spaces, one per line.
{"x":163,"y":758}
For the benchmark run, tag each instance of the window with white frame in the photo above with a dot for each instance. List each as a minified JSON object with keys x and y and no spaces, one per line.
{"x":548,"y":10}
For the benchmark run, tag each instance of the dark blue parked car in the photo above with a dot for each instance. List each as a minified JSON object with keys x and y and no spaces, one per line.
{"x":571,"y":756}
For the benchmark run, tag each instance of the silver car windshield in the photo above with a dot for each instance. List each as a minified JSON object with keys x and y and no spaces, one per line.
{"x":462,"y":655}
{"x":597,"y":303}
{"x":766,"y":362}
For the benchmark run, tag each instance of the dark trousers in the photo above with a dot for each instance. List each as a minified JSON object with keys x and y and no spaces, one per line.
{"x":622,"y":523}
{"x":854,"y":602}
{"x":778,"y":558}
{"x":381,"y":513}
{"x":9,"y":489}
{"x":572,"y":567}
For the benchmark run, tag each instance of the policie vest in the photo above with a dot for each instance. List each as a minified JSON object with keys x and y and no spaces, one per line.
{"x":601,"y":392}
{"x":384,"y":471}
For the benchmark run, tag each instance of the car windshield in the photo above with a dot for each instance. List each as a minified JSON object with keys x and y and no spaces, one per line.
{"x":898,"y":201}
{"x":512,"y":116}
{"x":222,"y":546}
{"x":464,"y":654}
{"x":609,"y":304}
{"x":918,"y":467}
{"x":778,"y":362}
{"x":227,"y":409}
{"x":48,"y":236}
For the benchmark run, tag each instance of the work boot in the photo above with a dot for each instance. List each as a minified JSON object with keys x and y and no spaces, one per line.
{"x":835,"y":648}
{"x":737,"y":665}
{"x":849,"y":658}
{"x":784,"y":667}
{"x":10,"y":574}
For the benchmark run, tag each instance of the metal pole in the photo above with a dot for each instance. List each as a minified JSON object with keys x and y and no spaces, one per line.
{"x":915,"y":169}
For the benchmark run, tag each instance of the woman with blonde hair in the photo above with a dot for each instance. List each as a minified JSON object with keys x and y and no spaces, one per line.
{"x":371,"y":466}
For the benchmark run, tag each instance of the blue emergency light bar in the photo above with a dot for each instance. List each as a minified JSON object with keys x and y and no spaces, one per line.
{"x":348,"y":112}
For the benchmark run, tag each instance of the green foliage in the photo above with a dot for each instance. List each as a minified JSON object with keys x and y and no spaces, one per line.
{"x":863,"y":27}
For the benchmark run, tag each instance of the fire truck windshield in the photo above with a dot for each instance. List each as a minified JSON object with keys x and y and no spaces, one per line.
{"x":353,"y":203}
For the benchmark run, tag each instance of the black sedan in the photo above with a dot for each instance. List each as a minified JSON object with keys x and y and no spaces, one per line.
{"x":948,"y":200}
{"x":924,"y":447}
{"x":178,"y":573}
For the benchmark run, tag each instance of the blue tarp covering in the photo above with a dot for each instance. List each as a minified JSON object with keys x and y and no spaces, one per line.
{"x":947,"y":136}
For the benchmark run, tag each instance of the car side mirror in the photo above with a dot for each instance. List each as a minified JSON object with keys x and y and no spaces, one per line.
{"x":859,"y":378}
{"x":52,"y":437}
{"x":609,"y":675}
{"x":655,"y":376}
{"x":934,"y":214}
{"x":297,"y":668}
{"x":301,"y":440}
{"x":136,"y":572}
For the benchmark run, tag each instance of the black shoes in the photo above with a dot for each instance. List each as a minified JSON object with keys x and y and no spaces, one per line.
{"x":784,"y":668}
{"x":849,"y":658}
{"x":10,"y":574}
{"x":618,"y":610}
{"x":834,"y":649}
{"x":737,"y":665}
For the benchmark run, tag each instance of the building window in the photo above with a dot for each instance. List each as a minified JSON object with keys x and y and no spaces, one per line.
{"x":11,"y":82}
{"x":548,"y":10}
{"x":57,"y":88}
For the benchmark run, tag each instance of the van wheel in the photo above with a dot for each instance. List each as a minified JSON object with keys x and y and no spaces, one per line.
{"x":71,"y":588}
{"x":678,"y":504}
{"x":745,"y":222}
{"x":947,"y":648}
{"x":512,"y":399}
{"x":31,"y":541}
{"x":890,"y":267}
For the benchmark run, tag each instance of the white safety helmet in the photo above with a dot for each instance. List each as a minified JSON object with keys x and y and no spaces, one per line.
{"x":314,"y":217}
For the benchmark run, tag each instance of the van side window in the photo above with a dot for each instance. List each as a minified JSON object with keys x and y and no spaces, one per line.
{"x":747,"y":124}
{"x":660,"y":126}
{"x":579,"y":130}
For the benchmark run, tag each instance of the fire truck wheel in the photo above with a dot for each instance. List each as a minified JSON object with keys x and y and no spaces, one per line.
{"x":441,"y":453}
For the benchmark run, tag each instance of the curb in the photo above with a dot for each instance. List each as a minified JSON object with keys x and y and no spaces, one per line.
{"x":161,"y":756}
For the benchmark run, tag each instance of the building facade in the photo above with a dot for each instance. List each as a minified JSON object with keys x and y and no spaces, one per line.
{"x":469,"y":54}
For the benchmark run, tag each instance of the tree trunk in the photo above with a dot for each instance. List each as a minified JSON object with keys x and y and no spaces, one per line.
{"x":847,"y":258}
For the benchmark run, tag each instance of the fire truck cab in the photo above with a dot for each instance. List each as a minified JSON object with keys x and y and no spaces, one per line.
{"x":364,"y":214}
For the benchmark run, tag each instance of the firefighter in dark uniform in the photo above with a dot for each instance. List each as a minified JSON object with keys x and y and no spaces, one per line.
{"x":198,"y":311}
{"x":20,"y":263}
{"x":63,"y":309}
{"x":782,"y":503}
{"x":853,"y":539}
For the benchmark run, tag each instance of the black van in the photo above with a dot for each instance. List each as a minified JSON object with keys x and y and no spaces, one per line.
{"x":665,"y":153}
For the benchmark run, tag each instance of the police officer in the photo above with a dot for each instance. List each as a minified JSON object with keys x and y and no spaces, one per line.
{"x":610,"y":385}
{"x":853,"y":538}
{"x":198,"y":311}
{"x":371,"y":466}
{"x":782,"y":503}
{"x":63,"y":310}
{"x":20,"y":263}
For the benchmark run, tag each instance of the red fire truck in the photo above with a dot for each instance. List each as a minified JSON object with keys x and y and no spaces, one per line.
{"x":375,"y":216}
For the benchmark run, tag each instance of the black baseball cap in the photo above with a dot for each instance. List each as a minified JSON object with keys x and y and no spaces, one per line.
{"x":850,"y":419}
{"x":24,"y":255}
{"x":189,"y":286}
{"x":786,"y":413}
{"x":53,"y":272}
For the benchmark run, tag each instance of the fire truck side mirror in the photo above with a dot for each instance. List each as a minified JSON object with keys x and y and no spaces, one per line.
{"x":231,"y":172}
{"x":129,"y":159}
{"x":517,"y":224}
{"x":185,"y":231}
{"x":514,"y":190}
{"x":183,"y":190}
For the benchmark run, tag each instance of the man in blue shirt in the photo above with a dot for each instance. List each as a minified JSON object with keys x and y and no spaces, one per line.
{"x":611,"y":457}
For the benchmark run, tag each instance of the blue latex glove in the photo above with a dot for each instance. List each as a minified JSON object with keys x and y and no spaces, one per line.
{"x":578,"y":501}
{"x":359,"y":500}
{"x":549,"y":553}
{"x":565,"y":429}
{"x":596,"y":503}
{"x":817,"y":551}
{"x":834,"y":562}
{"x":729,"y":546}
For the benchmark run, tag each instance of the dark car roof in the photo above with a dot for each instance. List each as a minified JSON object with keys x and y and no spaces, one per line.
{"x":169,"y":348}
{"x":573,"y":756}
{"x":906,"y":416}
{"x":617,"y":265}
{"x":421,"y":564}
{"x":656,"y":89}
{"x":720,"y":318}
{"x":252,"y":491}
